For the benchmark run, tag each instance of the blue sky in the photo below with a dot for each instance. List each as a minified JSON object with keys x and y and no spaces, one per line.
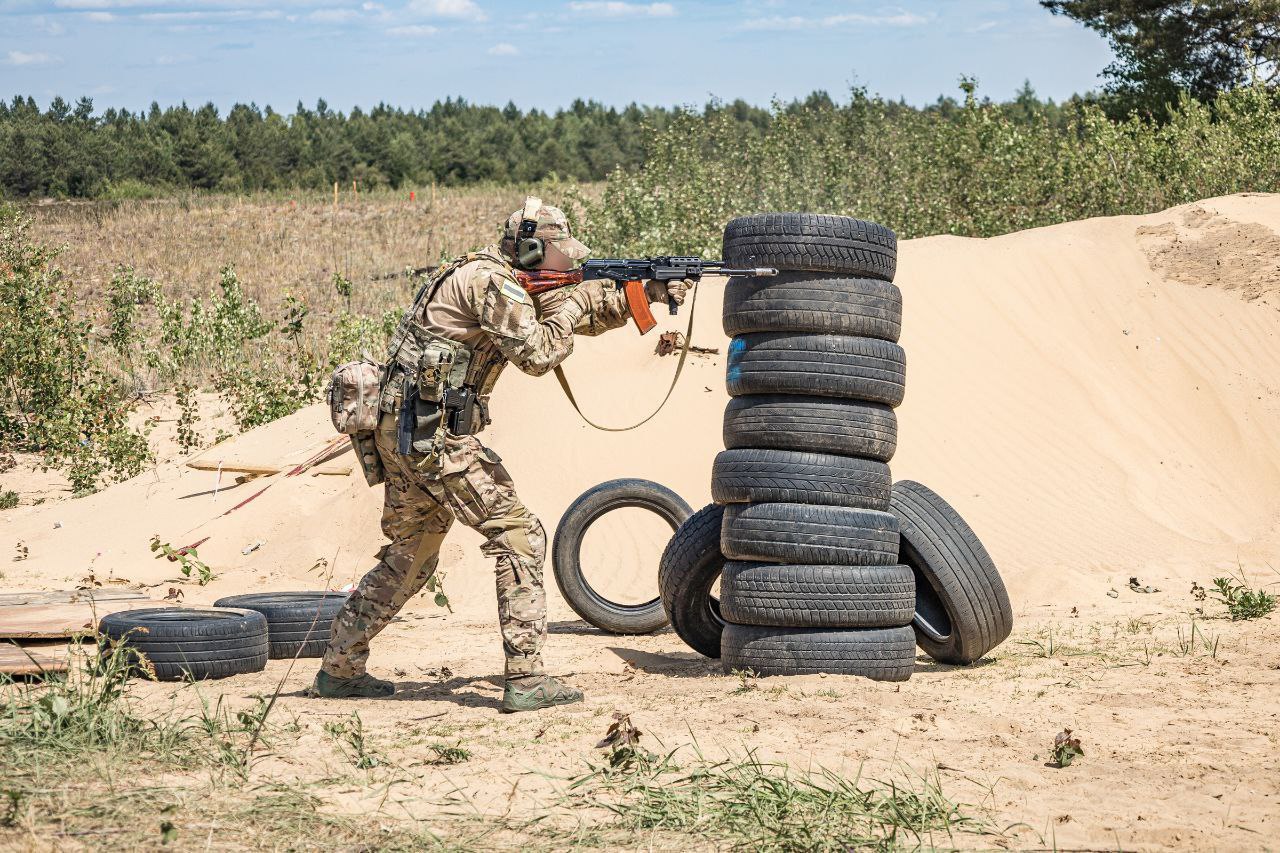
{"x":409,"y":53}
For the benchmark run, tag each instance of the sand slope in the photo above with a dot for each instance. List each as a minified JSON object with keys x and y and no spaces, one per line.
{"x":1101,"y":399}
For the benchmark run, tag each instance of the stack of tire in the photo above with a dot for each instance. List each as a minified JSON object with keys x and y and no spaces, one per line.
{"x":237,"y":635}
{"x":813,"y":581}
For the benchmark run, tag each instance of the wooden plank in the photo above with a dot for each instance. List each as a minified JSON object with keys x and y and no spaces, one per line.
{"x":234,"y":467}
{"x":50,"y":621}
{"x":15,"y":660}
{"x":67,"y":596}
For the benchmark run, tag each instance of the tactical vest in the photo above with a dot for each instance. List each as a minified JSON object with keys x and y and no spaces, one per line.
{"x":436,"y":384}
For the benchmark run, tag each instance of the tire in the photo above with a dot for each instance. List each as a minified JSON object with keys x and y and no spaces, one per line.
{"x":812,"y":424}
{"x":811,"y":241}
{"x":189,"y":642}
{"x":962,"y":606}
{"x":881,"y":654}
{"x":607,"y":615}
{"x":801,"y":534}
{"x":298,"y":623}
{"x":789,"y":476}
{"x":690,"y":567}
{"x":817,"y":596}
{"x":801,"y":302}
{"x":826,"y":365}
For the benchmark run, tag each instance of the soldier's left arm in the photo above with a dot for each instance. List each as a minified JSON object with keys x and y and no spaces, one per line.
{"x":508,"y":314}
{"x":606,"y":306}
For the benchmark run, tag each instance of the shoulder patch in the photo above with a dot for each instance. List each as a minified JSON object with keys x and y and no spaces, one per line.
{"x":513,"y":291}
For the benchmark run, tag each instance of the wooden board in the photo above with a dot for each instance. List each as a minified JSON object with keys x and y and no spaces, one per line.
{"x":15,"y":660}
{"x":50,"y":621}
{"x":67,"y":596}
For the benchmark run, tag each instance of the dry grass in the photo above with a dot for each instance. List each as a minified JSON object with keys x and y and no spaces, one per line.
{"x":278,"y":244}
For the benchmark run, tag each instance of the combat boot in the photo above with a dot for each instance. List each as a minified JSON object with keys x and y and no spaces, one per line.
{"x":532,"y":692}
{"x":328,"y":686}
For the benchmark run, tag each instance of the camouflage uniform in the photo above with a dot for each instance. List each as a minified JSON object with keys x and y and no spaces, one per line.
{"x":481,"y":305}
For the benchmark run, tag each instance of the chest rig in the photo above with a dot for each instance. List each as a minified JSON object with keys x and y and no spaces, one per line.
{"x":436,"y":385}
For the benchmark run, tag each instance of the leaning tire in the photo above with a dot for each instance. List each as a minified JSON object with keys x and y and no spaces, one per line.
{"x":814,"y":424}
{"x":802,"y":302}
{"x":825,"y":365}
{"x":881,"y":654}
{"x":690,"y":567}
{"x":817,"y":596}
{"x":800,"y":534}
{"x":811,"y":241}
{"x":189,"y":642}
{"x":298,"y":623}
{"x":611,"y":616}
{"x":962,"y":606}
{"x":787,"y":476}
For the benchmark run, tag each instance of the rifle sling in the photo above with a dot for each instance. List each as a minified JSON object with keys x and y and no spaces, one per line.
{"x":684,"y":352}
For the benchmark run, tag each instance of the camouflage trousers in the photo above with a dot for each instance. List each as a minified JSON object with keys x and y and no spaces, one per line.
{"x":467,"y":482}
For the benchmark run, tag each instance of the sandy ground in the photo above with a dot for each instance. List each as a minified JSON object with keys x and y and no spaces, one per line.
{"x":1101,"y":400}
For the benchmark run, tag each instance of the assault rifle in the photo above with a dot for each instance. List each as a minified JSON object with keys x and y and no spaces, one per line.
{"x":631,"y":273}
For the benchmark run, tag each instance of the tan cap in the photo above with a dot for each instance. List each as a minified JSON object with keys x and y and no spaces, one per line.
{"x":553,"y":227}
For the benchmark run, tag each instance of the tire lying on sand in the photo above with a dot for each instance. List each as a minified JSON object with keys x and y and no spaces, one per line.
{"x":811,"y":242}
{"x":785,"y":476}
{"x":191,"y":642}
{"x":803,"y":534}
{"x":690,"y":567}
{"x":962,"y":607}
{"x":298,"y":623}
{"x":826,"y":365}
{"x":803,"y":302}
{"x":566,"y":559}
{"x":787,"y":596}
{"x":881,"y":654}
{"x":813,"y":424}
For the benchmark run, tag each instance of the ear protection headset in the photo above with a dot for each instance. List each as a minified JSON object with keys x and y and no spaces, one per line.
{"x":530,"y":250}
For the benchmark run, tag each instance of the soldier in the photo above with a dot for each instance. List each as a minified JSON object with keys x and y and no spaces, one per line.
{"x":468,"y":321}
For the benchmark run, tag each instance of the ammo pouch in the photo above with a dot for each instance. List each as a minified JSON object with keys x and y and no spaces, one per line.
{"x":428,"y":392}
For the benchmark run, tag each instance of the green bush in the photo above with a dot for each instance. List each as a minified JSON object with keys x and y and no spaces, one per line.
{"x":978,"y":170}
{"x":59,"y":398}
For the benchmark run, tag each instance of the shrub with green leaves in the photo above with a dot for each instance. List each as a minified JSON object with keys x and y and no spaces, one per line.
{"x":978,"y":170}
{"x":58,"y":396}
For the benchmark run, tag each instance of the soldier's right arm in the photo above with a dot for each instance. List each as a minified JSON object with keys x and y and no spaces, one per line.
{"x":534,"y":345}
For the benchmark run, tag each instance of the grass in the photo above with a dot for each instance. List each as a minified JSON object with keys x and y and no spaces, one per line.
{"x":750,"y":804}
{"x":1242,"y":601}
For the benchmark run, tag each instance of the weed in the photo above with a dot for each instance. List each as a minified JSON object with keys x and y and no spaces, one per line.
{"x":8,"y":499}
{"x":351,"y":739}
{"x":446,"y":754}
{"x":746,"y":681}
{"x":750,"y":804}
{"x":1243,"y":602}
{"x":1065,"y":748}
{"x":187,"y":559}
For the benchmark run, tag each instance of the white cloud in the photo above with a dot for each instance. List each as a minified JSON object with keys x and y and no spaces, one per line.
{"x":504,"y":49}
{"x":214,"y":15}
{"x":465,"y":10}
{"x":372,"y":7}
{"x":48,"y":27}
{"x":333,"y":16}
{"x":412,"y":31}
{"x":99,"y":17}
{"x":795,"y":22}
{"x":21,"y":57}
{"x":618,"y":9}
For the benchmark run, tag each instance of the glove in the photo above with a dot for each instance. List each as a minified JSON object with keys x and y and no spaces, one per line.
{"x":661,"y":291}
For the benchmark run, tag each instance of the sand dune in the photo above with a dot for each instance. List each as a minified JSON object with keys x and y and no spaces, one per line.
{"x":1101,"y":399}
